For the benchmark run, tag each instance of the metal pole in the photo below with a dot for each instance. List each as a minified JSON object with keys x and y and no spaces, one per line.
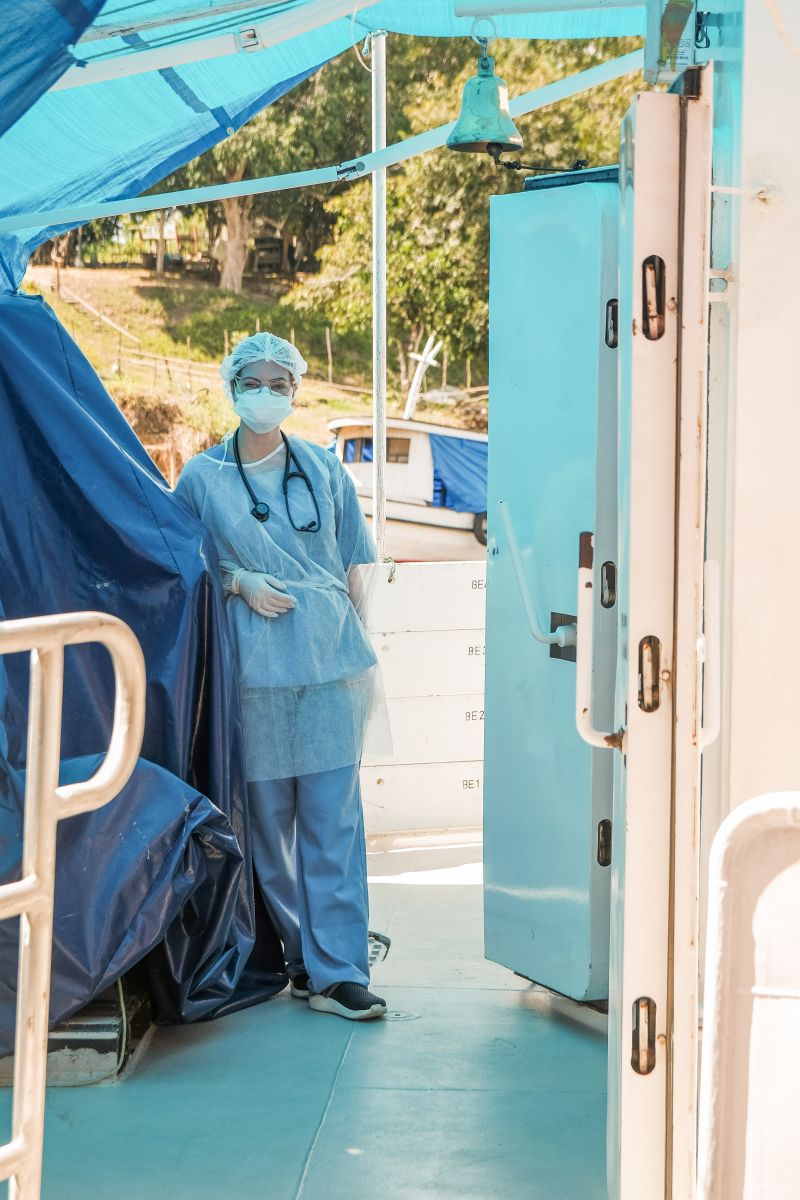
{"x":378,"y":56}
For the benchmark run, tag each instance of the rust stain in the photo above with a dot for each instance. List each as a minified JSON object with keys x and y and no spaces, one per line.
{"x":586,"y":551}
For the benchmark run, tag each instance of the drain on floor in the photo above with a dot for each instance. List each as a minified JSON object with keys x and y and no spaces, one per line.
{"x":395,"y":1015}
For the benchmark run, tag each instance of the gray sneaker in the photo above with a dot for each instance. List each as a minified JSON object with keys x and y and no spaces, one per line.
{"x":349,"y":1000}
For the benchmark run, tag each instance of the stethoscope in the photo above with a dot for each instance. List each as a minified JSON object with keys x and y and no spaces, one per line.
{"x":260,"y":509}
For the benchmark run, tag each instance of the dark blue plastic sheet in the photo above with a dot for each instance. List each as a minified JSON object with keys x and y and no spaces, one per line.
{"x":87,"y":522}
{"x":460,"y":468}
{"x":35,"y":41}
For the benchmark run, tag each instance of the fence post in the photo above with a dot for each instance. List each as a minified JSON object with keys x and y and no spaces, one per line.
{"x":330,"y":353}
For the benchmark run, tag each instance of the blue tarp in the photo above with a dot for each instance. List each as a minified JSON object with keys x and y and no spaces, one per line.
{"x":87,"y":522}
{"x":114,"y":139}
{"x":350,"y":449}
{"x":35,"y":42}
{"x":460,"y":469}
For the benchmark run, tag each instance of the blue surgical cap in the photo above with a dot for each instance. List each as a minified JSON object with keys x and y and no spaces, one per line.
{"x":263,"y":347}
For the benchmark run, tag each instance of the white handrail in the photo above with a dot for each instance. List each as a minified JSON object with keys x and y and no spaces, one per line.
{"x":565,"y":635}
{"x":46,"y":803}
{"x":747,"y":1131}
{"x":584,"y":653}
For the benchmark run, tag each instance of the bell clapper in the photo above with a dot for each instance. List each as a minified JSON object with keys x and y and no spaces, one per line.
{"x":494,"y":150}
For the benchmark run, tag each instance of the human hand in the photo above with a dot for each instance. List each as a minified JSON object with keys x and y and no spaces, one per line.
{"x":264,"y":593}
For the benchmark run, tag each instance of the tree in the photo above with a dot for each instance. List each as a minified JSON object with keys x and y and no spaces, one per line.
{"x":323,"y":120}
{"x":438,"y":203}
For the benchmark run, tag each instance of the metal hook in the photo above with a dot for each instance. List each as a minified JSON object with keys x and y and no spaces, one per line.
{"x":476,"y":37}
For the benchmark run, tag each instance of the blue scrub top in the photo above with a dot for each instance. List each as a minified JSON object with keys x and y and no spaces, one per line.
{"x":307,"y":676}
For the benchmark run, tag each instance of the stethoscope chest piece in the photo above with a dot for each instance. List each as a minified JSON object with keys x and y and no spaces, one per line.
{"x":260,"y":511}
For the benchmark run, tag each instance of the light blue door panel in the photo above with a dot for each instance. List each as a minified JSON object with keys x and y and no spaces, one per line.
{"x":552,"y":468}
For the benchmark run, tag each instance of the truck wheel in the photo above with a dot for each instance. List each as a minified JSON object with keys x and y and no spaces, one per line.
{"x":479,"y":527}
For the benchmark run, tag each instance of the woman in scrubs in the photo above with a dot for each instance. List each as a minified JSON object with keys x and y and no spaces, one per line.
{"x":294,"y":553}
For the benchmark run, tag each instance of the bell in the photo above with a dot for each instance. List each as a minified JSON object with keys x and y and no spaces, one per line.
{"x":485,"y":120}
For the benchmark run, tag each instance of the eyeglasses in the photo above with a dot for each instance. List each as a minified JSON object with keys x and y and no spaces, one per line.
{"x":284,"y":387}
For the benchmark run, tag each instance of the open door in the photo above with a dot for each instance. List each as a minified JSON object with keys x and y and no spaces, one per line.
{"x":665,"y":189}
{"x":552,"y":465}
{"x":554,"y":363}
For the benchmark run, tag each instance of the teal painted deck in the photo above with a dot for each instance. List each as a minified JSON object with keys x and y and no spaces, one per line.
{"x":489,"y":1093}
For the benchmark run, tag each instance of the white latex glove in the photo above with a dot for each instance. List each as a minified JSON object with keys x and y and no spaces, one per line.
{"x":264,"y":593}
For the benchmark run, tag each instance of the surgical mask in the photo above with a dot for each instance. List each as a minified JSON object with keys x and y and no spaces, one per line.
{"x":261,"y":409}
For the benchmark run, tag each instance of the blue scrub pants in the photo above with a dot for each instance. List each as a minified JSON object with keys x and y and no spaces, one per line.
{"x":309,"y":856}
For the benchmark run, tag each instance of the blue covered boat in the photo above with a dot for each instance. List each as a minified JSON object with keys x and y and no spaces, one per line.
{"x":436,"y":484}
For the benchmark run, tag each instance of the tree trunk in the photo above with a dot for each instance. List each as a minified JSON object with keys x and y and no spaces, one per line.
{"x":237,"y":221}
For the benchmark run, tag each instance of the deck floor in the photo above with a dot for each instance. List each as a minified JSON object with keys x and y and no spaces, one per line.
{"x":476,"y":1088}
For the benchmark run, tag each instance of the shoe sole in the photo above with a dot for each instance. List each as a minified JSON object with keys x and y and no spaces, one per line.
{"x":300,"y":993}
{"x":327,"y":1004}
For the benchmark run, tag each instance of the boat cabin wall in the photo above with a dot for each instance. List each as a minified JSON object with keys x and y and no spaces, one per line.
{"x":409,"y":465}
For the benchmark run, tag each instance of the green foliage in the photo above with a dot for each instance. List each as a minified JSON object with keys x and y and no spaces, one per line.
{"x":438,"y":203}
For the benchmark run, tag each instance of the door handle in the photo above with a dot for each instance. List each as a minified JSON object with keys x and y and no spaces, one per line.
{"x":584,"y":653}
{"x":565,"y":635}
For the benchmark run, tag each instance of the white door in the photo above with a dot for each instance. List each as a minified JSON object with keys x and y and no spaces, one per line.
{"x":664,"y":180}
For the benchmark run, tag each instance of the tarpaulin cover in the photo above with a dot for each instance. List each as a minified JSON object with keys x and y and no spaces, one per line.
{"x":35,"y":43}
{"x":87,"y":523}
{"x":115,"y":138}
{"x":460,"y":468}
{"x":152,"y":864}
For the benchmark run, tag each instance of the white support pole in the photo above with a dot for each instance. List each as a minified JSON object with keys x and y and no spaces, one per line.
{"x":356,"y":168}
{"x":250,"y":38}
{"x":379,"y":340}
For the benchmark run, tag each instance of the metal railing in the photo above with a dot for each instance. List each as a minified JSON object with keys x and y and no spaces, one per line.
{"x":46,"y":803}
{"x":748,"y":1145}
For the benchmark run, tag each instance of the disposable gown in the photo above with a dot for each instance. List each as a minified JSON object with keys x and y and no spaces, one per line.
{"x":308,"y":677}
